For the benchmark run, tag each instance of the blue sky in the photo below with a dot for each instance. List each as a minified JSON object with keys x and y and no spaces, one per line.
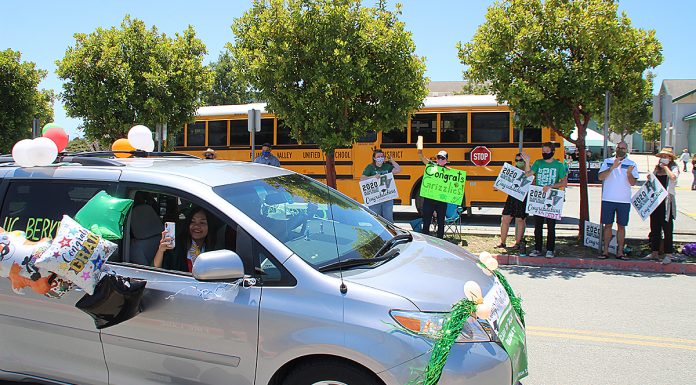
{"x":42,"y":30}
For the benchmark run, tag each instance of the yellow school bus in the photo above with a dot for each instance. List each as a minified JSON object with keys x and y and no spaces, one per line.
{"x":457,"y":124}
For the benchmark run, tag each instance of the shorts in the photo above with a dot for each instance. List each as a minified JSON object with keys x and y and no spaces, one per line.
{"x":515,"y":208}
{"x":621,"y":210}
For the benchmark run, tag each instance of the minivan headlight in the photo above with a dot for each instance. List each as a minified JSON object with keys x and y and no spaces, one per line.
{"x":430,"y":325}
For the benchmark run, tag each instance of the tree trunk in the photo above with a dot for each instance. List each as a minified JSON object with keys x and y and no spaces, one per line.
{"x":582,"y":158}
{"x":330,"y":170}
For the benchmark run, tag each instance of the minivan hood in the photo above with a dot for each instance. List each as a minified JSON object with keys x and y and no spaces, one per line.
{"x":430,"y":272}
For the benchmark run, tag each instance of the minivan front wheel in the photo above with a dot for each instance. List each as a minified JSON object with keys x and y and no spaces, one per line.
{"x":330,"y":372}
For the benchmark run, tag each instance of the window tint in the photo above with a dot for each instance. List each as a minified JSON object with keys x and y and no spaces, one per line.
{"x":217,"y":133}
{"x":424,"y":125}
{"x":195,"y":134}
{"x":530,"y":135}
{"x":453,"y":128}
{"x":397,"y":135}
{"x":266,"y":133}
{"x":284,"y":134}
{"x":489,"y":127}
{"x":239,"y":133}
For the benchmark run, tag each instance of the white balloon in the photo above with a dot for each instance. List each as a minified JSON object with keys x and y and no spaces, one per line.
{"x":140,"y":137}
{"x":44,"y":151}
{"x":484,"y":256}
{"x":491,"y":263}
{"x":21,"y":153}
{"x":150,"y":146}
{"x":472,"y":291}
{"x":483,"y":311}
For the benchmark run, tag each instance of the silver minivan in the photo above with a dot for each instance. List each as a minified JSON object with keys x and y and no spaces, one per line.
{"x":302,"y":285}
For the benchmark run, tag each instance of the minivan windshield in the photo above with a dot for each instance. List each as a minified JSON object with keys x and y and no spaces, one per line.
{"x":317,"y":223}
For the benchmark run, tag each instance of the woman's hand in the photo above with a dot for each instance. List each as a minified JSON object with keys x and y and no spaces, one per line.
{"x":165,"y":242}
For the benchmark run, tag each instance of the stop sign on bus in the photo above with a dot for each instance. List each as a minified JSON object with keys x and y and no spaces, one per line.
{"x":480,"y":156}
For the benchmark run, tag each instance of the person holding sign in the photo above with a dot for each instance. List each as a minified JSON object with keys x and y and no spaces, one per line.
{"x":550,"y":174}
{"x":431,"y":206}
{"x":662,"y":218}
{"x":375,"y":170}
{"x":617,"y":174}
{"x":514,"y":208}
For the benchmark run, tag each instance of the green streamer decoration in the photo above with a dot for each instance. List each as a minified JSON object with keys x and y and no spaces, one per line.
{"x":451,"y":329}
{"x":515,"y":301}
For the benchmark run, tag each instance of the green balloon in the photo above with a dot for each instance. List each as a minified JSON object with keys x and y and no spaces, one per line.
{"x":104,"y":215}
{"x":49,"y":125}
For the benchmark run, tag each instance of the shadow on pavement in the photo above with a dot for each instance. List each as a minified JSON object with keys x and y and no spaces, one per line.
{"x":552,"y":272}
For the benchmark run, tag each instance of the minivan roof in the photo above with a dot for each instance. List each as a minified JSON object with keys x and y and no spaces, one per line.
{"x":210,"y":172}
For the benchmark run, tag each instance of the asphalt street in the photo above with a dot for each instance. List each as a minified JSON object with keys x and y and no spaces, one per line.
{"x":607,"y":328}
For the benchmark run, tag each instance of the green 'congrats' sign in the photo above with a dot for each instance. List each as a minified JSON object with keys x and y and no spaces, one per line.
{"x":443,"y":184}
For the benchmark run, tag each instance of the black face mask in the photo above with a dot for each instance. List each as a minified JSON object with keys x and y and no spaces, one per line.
{"x":547,"y":156}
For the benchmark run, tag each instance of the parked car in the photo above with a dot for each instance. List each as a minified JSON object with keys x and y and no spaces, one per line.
{"x":302,"y":285}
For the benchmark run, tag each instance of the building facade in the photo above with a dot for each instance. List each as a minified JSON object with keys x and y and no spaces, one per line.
{"x":675,"y":109}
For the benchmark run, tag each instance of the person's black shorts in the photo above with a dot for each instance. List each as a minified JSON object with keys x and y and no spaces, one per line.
{"x":515,"y":208}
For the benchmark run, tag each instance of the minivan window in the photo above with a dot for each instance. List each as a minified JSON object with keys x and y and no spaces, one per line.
{"x":317,"y":223}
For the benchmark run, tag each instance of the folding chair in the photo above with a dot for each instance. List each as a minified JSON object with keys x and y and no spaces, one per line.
{"x":453,"y":220}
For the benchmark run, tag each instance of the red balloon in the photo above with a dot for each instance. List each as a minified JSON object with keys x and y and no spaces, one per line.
{"x":58,"y":136}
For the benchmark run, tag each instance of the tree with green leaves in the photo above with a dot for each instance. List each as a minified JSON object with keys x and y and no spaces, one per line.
{"x":227,"y":86}
{"x":631,"y":112}
{"x":119,"y":77}
{"x":552,"y":61}
{"x":22,"y":100}
{"x":651,"y":132}
{"x":330,"y":69}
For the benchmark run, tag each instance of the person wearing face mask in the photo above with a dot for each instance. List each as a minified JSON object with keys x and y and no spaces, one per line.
{"x":266,"y":157}
{"x":378,"y":167}
{"x":662,"y":219}
{"x":617,"y":174}
{"x":431,"y":206}
{"x":516,"y":209}
{"x":549,"y":173}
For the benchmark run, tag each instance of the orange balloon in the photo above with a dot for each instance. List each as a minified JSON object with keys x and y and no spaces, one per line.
{"x":122,"y":145}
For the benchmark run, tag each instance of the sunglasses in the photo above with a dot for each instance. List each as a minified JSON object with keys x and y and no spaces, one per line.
{"x":441,"y":157}
{"x":519,"y":160}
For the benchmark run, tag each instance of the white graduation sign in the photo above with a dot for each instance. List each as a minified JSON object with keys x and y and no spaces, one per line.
{"x":378,"y":190}
{"x":512,"y":181}
{"x":648,"y":197}
{"x":545,"y":204}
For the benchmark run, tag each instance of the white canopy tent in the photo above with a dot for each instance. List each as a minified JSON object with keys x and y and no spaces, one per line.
{"x":592,"y":139}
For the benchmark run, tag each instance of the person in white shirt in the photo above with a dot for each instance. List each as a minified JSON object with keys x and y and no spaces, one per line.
{"x":685,"y":157}
{"x":617,"y":174}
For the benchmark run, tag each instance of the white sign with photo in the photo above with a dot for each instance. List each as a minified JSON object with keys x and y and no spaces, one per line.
{"x":648,"y":197}
{"x":378,"y":190}
{"x":545,"y":204}
{"x":593,"y":238}
{"x":513,"y":182}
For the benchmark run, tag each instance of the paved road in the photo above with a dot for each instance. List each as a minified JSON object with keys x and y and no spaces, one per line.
{"x":487,"y":220}
{"x":607,"y":328}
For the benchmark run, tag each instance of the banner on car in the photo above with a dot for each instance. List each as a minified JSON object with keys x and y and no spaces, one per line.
{"x":648,"y":197}
{"x":545,"y":204}
{"x":378,"y":190}
{"x":512,"y":181}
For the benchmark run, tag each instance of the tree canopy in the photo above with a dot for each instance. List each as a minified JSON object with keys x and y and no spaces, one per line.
{"x":552,"y":61}
{"x":22,"y":101}
{"x":227,"y":87}
{"x":330,"y":69}
{"x":118,"y":77}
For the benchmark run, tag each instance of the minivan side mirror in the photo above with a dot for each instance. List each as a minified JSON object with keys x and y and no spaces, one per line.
{"x":218,"y":265}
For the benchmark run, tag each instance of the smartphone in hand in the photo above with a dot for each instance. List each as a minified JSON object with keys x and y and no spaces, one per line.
{"x":170,"y":228}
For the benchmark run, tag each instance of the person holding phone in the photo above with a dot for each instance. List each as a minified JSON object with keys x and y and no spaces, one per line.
{"x":193,"y":241}
{"x":617,"y":174}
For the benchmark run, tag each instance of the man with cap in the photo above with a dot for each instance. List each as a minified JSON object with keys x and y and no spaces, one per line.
{"x":266,"y":157}
{"x":209,"y":154}
{"x":431,"y":205}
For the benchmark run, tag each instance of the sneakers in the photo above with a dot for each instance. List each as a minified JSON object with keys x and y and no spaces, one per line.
{"x":666,"y":260}
{"x":535,"y":253}
{"x":549,"y":254}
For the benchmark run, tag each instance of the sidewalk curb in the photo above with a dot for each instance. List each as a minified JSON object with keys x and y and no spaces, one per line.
{"x":598,"y":264}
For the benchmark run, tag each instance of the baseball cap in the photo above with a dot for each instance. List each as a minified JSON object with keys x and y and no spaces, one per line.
{"x":442,"y":153}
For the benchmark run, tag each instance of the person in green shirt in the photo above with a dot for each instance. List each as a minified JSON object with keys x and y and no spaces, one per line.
{"x":549,"y":173}
{"x":376,"y":169}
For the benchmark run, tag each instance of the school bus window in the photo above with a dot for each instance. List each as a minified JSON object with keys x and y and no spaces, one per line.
{"x":179,"y":138}
{"x":217,"y":133}
{"x":369,"y":137}
{"x":530,"y":135}
{"x":284,"y":134}
{"x":453,"y":128}
{"x":397,"y":135}
{"x":266,"y":133}
{"x":424,"y":125}
{"x":239,"y":132}
{"x":490,"y":127}
{"x":195,"y":134}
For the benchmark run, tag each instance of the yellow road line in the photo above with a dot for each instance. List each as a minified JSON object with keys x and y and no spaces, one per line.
{"x":611,"y":340}
{"x":543,"y":329}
